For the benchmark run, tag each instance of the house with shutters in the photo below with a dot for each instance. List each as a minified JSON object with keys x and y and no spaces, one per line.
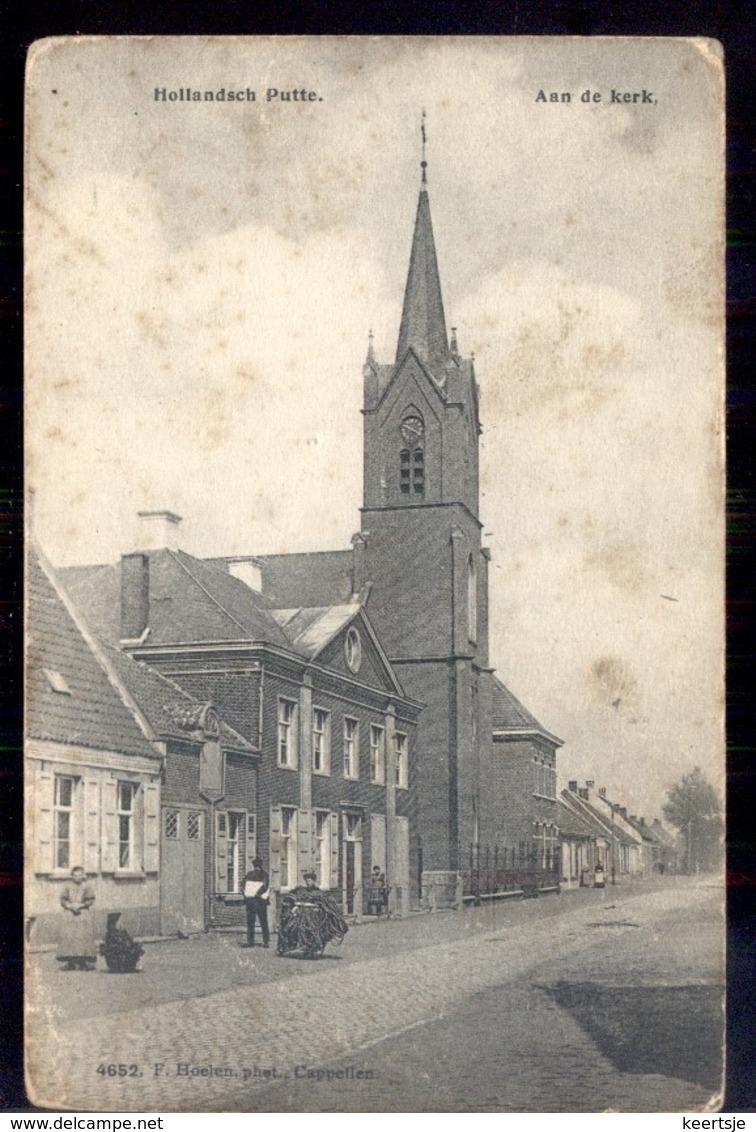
{"x":93,"y":770}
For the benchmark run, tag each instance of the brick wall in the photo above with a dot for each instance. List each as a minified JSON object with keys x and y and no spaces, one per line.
{"x":234,"y":694}
{"x":509,"y":806}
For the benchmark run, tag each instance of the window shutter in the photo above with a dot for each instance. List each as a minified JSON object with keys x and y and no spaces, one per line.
{"x":109,"y":826}
{"x":91,"y":852}
{"x":43,"y":826}
{"x":251,"y":840}
{"x":334,"y":851}
{"x":274,"y":848}
{"x":151,"y":861}
{"x":221,"y":850}
{"x":304,"y":843}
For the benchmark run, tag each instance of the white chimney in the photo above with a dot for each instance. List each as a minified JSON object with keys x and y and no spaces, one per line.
{"x":158,"y":530}
{"x":247,"y":570}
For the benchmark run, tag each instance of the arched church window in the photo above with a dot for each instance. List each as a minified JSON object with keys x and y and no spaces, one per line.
{"x":412,"y":456}
{"x":472,"y":601}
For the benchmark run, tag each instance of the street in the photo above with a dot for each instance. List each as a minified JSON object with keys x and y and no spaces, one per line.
{"x":587,"y":1001}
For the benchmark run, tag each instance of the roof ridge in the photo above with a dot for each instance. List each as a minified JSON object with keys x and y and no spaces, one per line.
{"x":206,"y":592}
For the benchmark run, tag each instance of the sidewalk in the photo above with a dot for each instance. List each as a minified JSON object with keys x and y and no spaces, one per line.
{"x":172,"y":970}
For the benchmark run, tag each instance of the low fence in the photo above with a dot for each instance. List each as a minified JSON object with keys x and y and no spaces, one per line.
{"x":499,"y":870}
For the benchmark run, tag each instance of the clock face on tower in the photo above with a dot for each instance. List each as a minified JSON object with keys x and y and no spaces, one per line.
{"x":412,"y":429}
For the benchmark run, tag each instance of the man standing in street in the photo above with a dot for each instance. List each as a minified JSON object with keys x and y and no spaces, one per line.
{"x":256,"y":897}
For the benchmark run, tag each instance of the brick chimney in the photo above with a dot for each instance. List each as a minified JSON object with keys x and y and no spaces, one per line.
{"x":158,"y":530}
{"x":623,"y":811}
{"x":135,"y":595}
{"x":589,"y":784}
{"x":602,"y":792}
{"x":572,"y":787}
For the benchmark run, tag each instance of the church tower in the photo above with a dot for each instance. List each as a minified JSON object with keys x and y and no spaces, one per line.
{"x":424,"y":568}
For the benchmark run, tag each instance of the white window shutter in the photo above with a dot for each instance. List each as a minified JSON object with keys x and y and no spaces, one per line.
{"x":151,"y":861}
{"x":221,"y":850}
{"x":43,"y":824}
{"x":275,"y":847}
{"x":304,"y":843}
{"x":251,"y":840}
{"x":109,"y":826}
{"x":334,"y":851}
{"x":91,"y":850}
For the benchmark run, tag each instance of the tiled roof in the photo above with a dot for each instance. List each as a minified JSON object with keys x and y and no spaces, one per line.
{"x":570,"y":823}
{"x":508,"y":714}
{"x":92,"y":713}
{"x":191,"y":600}
{"x":292,"y":581}
{"x":172,"y":712}
{"x":215,"y":598}
{"x":96,"y":590}
{"x":602,"y":822}
{"x":310,"y":630}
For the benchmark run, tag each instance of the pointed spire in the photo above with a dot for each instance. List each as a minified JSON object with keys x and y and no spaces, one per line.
{"x":423,"y":323}
{"x":371,"y":352}
{"x":453,"y":348}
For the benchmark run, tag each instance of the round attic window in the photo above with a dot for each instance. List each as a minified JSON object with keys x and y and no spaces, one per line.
{"x":353,"y":650}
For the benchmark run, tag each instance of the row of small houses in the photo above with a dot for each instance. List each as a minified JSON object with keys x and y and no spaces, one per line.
{"x":303,"y":755}
{"x":597,"y":833}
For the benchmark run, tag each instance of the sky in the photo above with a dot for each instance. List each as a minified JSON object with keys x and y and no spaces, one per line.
{"x":202,"y":278}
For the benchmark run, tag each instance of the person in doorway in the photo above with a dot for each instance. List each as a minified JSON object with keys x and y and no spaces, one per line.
{"x":77,"y":947}
{"x":256,"y":898}
{"x":377,"y":894}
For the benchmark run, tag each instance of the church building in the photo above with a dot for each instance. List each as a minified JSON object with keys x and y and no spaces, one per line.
{"x":368,"y":724}
{"x":486,"y":767}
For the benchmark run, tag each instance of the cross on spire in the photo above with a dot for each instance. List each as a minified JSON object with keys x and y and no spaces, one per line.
{"x":423,"y":163}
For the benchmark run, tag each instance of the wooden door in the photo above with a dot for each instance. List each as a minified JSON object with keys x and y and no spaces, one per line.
{"x":182,"y":871}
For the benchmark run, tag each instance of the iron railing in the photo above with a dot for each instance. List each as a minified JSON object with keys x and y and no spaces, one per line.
{"x":496,"y":870}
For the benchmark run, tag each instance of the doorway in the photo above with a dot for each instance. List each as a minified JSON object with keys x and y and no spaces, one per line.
{"x":182,"y":872}
{"x":352,"y":863}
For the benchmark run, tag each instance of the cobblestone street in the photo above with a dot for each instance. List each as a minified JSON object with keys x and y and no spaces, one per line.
{"x":583,"y":1002}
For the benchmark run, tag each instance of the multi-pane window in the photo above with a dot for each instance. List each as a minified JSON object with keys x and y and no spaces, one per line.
{"x":65,"y":793}
{"x":288,"y":846}
{"x":287,"y":733}
{"x":546,"y":838}
{"x":412,"y":471}
{"x":234,"y":832}
{"x":171,"y":824}
{"x":544,"y":779}
{"x":353,"y":829}
{"x":321,"y":741}
{"x":377,"y":754}
{"x":323,"y":848}
{"x":194,"y":826}
{"x":125,"y":817}
{"x":402,"y":760}
{"x":351,"y":748}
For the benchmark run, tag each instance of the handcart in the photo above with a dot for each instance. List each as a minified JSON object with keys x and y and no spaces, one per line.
{"x":308,"y":922}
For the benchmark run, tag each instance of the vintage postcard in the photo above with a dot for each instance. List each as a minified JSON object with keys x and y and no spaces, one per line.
{"x":374,"y":659}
